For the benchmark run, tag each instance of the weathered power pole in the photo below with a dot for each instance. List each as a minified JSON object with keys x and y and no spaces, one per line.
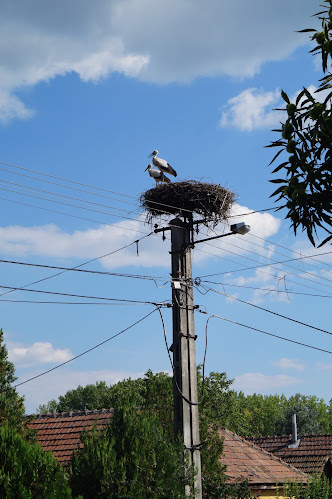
{"x":212,"y":202}
{"x":186,"y":417}
{"x":186,"y":421}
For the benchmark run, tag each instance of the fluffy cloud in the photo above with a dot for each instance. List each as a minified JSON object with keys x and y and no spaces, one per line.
{"x":263,"y":225}
{"x":152,"y":40}
{"x":286,"y":364}
{"x":261,"y":383}
{"x":11,"y":107}
{"x":50,"y":241}
{"x":39,"y":352}
{"x":252,"y":109}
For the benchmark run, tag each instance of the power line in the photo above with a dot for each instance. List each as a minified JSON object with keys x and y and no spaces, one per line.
{"x":75,"y":269}
{"x":274,"y":263}
{"x":268,"y":311}
{"x":83,"y":353}
{"x":67,"y":180}
{"x":75,"y":216}
{"x":76,"y":296}
{"x":264,"y":265}
{"x":250,"y":212}
{"x":293,"y":251}
{"x":22,"y":186}
{"x":256,"y":267}
{"x":122,"y":217}
{"x":68,"y":186}
{"x":269,"y":334}
{"x":107,"y":190}
{"x":282,"y":254}
{"x":64,"y":302}
{"x":286,"y":291}
{"x":84,"y":263}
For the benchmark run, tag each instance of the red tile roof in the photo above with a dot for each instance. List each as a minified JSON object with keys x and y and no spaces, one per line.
{"x":245,"y":460}
{"x":311,"y":455}
{"x":60,"y":432}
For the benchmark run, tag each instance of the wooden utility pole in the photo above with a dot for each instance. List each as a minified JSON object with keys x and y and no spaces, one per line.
{"x":186,"y":420}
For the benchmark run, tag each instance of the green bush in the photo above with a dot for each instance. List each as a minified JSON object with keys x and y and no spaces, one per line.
{"x":27,"y":471}
{"x":131,"y":458}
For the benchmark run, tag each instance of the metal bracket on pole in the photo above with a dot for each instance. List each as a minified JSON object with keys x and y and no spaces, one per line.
{"x":188,"y":336}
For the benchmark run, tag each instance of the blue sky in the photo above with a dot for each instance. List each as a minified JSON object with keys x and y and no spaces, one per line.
{"x":87,"y":91}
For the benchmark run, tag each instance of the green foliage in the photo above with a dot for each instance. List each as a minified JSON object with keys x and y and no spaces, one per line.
{"x":11,"y":404}
{"x":90,"y":397}
{"x":304,"y":189}
{"x":49,"y":407}
{"x":27,"y":471}
{"x":317,"y":488}
{"x":131,"y":458}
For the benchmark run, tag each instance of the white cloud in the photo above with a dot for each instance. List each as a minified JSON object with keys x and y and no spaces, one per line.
{"x":40,"y":352}
{"x":285,"y":364}
{"x":153,"y":40}
{"x":261,"y":383}
{"x":51,"y":241}
{"x":11,"y":107}
{"x":252,"y":109}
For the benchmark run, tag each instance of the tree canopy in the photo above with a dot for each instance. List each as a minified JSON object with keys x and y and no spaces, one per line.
{"x":11,"y":404}
{"x":27,"y":471}
{"x":132,"y":458}
{"x":305,"y":177}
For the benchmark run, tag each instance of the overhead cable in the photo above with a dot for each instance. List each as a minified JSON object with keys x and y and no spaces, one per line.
{"x":75,"y":269}
{"x":82,"y":264}
{"x":268,"y":311}
{"x":81,"y":354}
{"x":267,"y":333}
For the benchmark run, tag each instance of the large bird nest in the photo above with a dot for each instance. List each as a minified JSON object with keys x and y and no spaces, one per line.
{"x":210,"y":201}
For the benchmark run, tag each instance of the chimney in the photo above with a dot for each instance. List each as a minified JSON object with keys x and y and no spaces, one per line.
{"x":295,"y":441}
{"x":294,"y":429}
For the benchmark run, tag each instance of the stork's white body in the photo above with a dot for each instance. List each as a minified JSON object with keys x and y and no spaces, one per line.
{"x":157,"y":175}
{"x":162,"y":164}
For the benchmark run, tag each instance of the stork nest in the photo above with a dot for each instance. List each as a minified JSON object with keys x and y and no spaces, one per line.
{"x":211,"y":201}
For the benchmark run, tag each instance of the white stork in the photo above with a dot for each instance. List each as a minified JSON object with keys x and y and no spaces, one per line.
{"x":157,"y":175}
{"x":162,"y":164}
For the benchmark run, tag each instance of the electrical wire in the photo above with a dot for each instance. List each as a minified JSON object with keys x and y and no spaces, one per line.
{"x":98,"y":272}
{"x":65,"y":303}
{"x":76,"y":296}
{"x":108,"y":190}
{"x":81,"y":354}
{"x":275,"y":262}
{"x":82,"y":264}
{"x":287,"y":249}
{"x":263,"y":265}
{"x":69,"y":187}
{"x":190,"y":402}
{"x":267,"y":333}
{"x":268,"y":311}
{"x":67,"y":180}
{"x":74,"y":216}
{"x":258,"y":270}
{"x":267,"y":289}
{"x":122,"y":217}
{"x":22,"y":186}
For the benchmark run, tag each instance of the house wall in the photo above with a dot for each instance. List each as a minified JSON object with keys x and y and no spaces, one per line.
{"x":268,"y":493}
